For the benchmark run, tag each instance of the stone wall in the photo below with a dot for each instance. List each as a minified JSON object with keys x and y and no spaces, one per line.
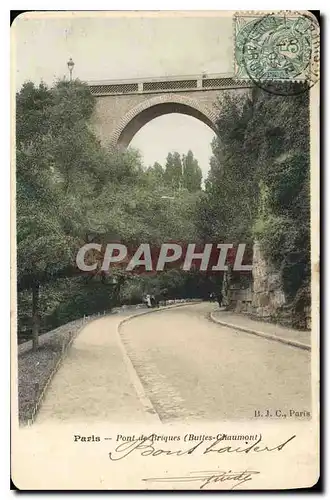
{"x":240,"y":299}
{"x":268,"y":297}
{"x":264,"y":298}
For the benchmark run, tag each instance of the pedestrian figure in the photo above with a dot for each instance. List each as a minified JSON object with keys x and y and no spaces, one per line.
{"x":219,"y":298}
{"x":148,"y":300}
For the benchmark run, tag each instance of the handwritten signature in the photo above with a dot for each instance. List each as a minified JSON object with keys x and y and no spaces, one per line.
{"x":146,"y":447}
{"x":208,"y":477}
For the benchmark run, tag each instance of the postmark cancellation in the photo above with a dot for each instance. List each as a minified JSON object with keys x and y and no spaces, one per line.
{"x":277,"y":47}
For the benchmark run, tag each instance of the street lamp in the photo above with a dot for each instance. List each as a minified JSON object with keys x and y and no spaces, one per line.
{"x":70,"y":64}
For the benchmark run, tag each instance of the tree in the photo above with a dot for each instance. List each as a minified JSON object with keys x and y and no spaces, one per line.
{"x":192,"y":174}
{"x":59,"y":166}
{"x":230,"y":202}
{"x":173,"y":170}
{"x":155,"y":174}
{"x":43,"y":244}
{"x":72,"y":191}
{"x":258,"y":184}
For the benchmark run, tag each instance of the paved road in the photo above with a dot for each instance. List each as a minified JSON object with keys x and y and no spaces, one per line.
{"x":93,"y":384}
{"x":194,"y":369}
{"x":189,"y":367}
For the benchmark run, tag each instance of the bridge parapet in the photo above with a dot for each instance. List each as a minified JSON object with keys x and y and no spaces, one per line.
{"x":168,"y":84}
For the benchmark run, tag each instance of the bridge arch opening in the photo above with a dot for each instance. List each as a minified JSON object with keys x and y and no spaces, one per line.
{"x":156,"y":111}
{"x":156,"y":107}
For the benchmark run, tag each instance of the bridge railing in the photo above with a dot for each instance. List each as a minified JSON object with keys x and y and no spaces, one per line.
{"x":169,"y":84}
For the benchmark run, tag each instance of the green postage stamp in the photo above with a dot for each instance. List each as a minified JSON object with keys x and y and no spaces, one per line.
{"x":281,"y":47}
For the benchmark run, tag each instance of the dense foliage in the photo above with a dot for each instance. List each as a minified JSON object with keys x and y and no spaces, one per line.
{"x":71,"y":191}
{"x":179,"y":172}
{"x":258,"y":184}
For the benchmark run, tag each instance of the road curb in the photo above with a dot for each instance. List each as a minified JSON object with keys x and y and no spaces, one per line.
{"x":159,"y":309}
{"x":258,"y":333}
{"x":145,"y":401}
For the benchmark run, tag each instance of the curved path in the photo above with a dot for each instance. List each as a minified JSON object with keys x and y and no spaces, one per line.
{"x":183,"y":364}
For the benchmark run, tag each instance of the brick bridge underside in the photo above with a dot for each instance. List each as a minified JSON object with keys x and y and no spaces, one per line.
{"x":122,"y":108}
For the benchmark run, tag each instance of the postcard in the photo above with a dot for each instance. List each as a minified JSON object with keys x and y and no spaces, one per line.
{"x":165,"y":250}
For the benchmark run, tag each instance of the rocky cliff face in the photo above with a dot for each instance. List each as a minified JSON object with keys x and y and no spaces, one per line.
{"x":268,"y":296}
{"x":264,"y":298}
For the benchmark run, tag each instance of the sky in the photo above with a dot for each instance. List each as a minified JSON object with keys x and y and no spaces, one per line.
{"x":106,"y":46}
{"x":174,"y":132}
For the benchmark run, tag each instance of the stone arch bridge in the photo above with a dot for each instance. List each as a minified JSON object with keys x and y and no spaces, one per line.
{"x":125,"y":106}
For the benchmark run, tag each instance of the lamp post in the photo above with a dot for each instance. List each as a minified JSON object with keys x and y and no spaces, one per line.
{"x":70,"y":64}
